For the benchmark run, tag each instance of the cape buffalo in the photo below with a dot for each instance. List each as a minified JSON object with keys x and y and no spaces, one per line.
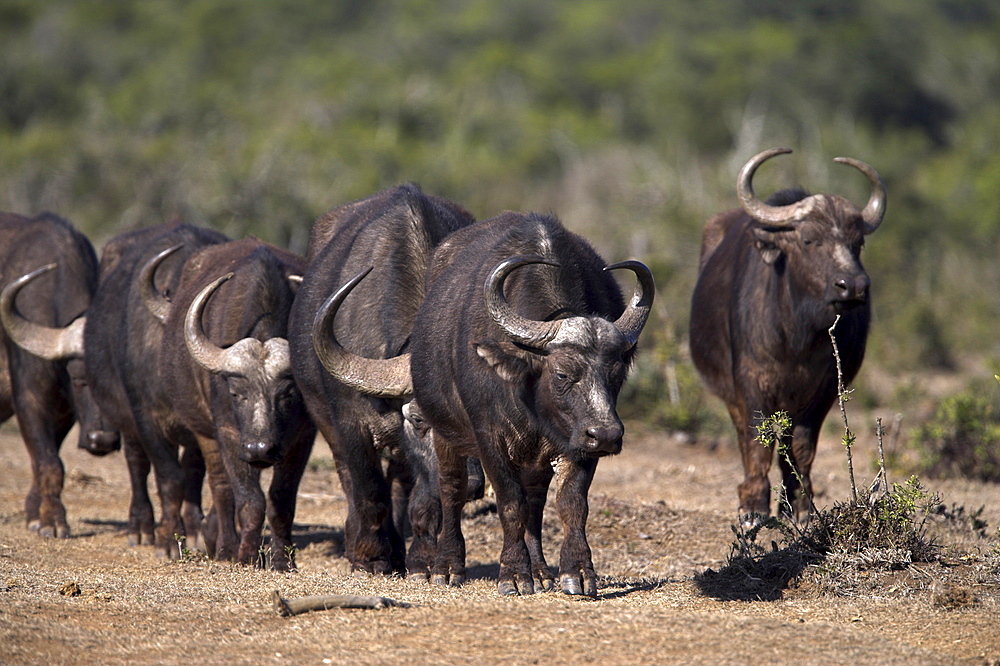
{"x":225,"y":361}
{"x":122,"y":341}
{"x":395,"y":231}
{"x":523,"y":372}
{"x":772,"y":280}
{"x":41,"y":370}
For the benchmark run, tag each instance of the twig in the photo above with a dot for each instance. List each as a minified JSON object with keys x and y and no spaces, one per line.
{"x":879,"y":430}
{"x":287,"y":607}
{"x":841,"y":396}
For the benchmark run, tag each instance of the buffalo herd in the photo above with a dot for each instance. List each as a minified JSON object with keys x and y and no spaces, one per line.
{"x":432,"y":351}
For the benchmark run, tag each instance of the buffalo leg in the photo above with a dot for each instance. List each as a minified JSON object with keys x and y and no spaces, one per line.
{"x":536,"y":483}
{"x":576,"y":566}
{"x":419,"y":475}
{"x":43,"y":423}
{"x":400,"y":486}
{"x":193,"y":464}
{"x":449,"y":565}
{"x":163,"y":456}
{"x":226,"y":541}
{"x":755,"y":490}
{"x":371,"y":541}
{"x":796,"y":477}
{"x":140,"y":511}
{"x":512,"y":508}
{"x":281,"y":505}
{"x":251,"y":508}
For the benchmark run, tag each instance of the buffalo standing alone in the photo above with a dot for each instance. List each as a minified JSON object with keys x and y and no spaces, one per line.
{"x":773,"y":277}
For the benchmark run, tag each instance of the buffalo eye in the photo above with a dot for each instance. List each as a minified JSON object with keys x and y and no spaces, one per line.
{"x":237,"y":389}
{"x":285,"y":394}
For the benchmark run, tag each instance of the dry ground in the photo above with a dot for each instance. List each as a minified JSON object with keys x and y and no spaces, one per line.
{"x":661,"y":513}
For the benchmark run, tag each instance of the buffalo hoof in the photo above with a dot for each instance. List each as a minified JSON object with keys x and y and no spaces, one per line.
{"x":547,"y":584}
{"x":283,"y":566}
{"x":167,"y":553}
{"x":578,"y":585}
{"x":376,"y":567}
{"x":448,"y":580}
{"x":521,"y":585}
{"x":418,"y":577}
{"x":50,"y":532}
{"x":137,"y":539}
{"x":753,"y":520}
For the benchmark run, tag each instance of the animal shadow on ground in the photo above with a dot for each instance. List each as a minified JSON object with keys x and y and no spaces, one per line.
{"x":483,"y":571}
{"x":617,"y":589}
{"x":324,"y":535}
{"x":99,"y":526}
{"x":763,"y":578}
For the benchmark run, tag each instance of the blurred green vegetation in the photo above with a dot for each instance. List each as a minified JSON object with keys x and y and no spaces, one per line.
{"x":961,"y":439}
{"x":628,"y":119}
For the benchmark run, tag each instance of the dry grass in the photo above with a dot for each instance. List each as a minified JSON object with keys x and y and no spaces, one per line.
{"x":660,"y":517}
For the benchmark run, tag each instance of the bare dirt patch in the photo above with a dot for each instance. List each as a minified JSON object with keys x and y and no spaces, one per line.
{"x":660,"y":516}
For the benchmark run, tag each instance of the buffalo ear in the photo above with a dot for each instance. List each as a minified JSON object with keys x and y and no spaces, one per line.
{"x":509,"y":366}
{"x":764,"y":242}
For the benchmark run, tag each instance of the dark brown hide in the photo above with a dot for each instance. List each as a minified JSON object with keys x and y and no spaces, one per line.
{"x":395,"y":231}
{"x":767,"y":293}
{"x":246,"y":410}
{"x":529,"y":397}
{"x":47,"y":395}
{"x":122,"y":341}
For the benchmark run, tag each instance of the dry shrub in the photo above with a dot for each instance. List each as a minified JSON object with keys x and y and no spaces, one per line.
{"x":952,"y":597}
{"x":881,"y":532}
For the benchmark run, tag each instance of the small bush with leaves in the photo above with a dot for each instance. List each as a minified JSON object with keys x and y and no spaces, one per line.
{"x":963,"y":439}
{"x":887,"y":528}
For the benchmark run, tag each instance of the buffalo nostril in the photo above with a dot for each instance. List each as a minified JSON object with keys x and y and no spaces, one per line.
{"x":605,"y":436}
{"x":256,"y":451}
{"x":852,"y":289}
{"x":861,"y":286}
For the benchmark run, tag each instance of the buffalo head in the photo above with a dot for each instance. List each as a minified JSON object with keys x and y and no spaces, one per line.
{"x":575,"y":366}
{"x":60,"y":344}
{"x":258,"y":376}
{"x":818,"y":237}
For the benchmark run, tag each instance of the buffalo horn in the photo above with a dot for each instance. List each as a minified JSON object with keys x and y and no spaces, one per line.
{"x":537,"y":334}
{"x":875,"y":208}
{"x":384,"y":378}
{"x":157,"y":304}
{"x":540,"y":334}
{"x":773,"y":216}
{"x":634,"y":318}
{"x":52,"y":344}
{"x":240,"y":358}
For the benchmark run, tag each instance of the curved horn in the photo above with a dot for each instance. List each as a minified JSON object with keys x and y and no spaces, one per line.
{"x":52,"y":344}
{"x":205,"y":352}
{"x":384,"y":378}
{"x":754,"y":207}
{"x":634,"y":318}
{"x":875,"y":208}
{"x":157,"y":304}
{"x":536,"y":334}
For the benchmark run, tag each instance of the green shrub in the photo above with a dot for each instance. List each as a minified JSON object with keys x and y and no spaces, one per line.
{"x":963,"y":439}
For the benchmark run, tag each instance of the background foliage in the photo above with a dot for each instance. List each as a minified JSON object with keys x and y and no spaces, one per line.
{"x":629,"y":119}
